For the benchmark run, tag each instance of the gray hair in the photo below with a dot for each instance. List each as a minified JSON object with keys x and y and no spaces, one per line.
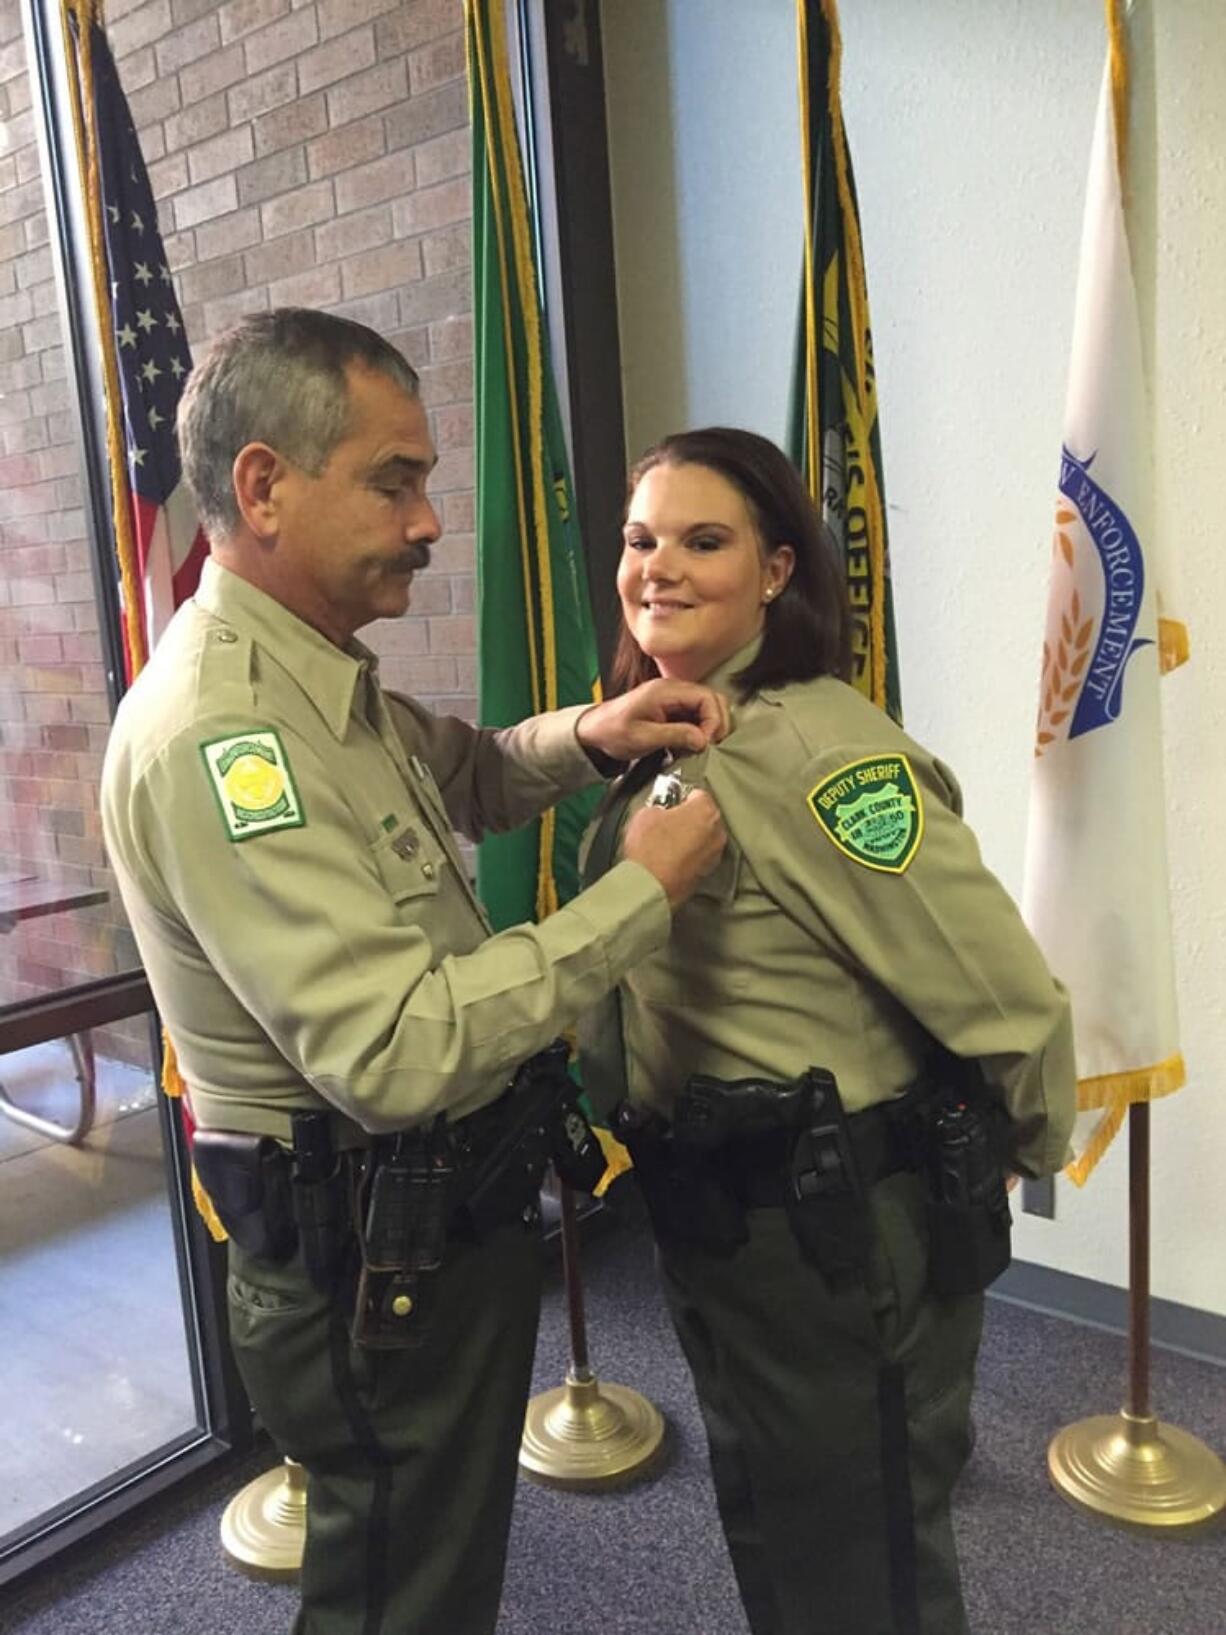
{"x":277,"y":378}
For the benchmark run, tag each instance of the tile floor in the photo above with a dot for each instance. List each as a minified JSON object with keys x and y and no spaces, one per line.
{"x":95,"y":1364}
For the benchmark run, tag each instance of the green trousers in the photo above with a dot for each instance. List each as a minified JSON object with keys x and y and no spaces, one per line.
{"x":410,"y":1455}
{"x":837,"y":1424}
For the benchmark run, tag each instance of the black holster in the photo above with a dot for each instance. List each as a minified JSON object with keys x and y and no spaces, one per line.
{"x":826,"y":1197}
{"x":247,"y":1178}
{"x":687,"y":1197}
{"x":503,"y":1150}
{"x":320,"y":1194}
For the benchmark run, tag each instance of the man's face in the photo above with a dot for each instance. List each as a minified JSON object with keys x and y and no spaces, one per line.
{"x":351,"y":538}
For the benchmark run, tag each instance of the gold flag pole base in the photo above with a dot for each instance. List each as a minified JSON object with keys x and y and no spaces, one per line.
{"x":586,"y":1435}
{"x":263,"y":1528}
{"x":1134,"y":1470}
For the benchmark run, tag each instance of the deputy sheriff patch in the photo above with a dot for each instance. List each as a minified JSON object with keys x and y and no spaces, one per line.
{"x":872,"y":810}
{"x":253,"y":783}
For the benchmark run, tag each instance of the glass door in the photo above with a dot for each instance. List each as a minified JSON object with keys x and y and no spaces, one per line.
{"x":108,"y":1302}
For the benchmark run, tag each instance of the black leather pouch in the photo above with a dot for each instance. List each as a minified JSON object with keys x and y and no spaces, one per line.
{"x":247,"y":1177}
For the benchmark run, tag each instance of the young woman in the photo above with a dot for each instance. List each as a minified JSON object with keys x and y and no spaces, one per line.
{"x":853,"y":927}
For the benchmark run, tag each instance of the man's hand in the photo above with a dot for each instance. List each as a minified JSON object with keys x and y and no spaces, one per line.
{"x":678,"y":844}
{"x":677,"y":715}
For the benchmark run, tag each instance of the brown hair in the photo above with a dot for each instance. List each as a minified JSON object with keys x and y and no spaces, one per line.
{"x":275,"y":377}
{"x":808,"y":626}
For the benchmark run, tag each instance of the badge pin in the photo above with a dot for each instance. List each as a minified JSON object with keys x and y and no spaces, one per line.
{"x":406,"y":843}
{"x":668,"y":790}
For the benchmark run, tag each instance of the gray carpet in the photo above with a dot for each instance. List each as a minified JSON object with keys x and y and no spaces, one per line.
{"x":650,"y":1559}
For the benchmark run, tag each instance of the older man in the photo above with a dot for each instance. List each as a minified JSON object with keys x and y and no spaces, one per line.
{"x":281,"y":830}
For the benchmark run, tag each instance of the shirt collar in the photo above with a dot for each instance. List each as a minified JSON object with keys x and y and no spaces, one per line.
{"x":721,"y":677}
{"x":329,"y":675}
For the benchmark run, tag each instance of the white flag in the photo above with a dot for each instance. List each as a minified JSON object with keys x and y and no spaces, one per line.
{"x":1096,"y":894}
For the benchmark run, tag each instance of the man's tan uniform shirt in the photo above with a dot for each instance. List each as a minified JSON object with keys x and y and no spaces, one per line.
{"x":851,"y":921}
{"x":281,"y":831}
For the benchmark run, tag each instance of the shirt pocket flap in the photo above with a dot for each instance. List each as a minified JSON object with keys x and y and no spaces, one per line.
{"x":409,"y":863}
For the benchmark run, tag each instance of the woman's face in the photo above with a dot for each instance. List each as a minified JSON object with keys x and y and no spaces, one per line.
{"x":694,"y":580}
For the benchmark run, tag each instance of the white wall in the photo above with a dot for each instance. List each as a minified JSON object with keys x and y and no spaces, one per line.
{"x":970,"y":131}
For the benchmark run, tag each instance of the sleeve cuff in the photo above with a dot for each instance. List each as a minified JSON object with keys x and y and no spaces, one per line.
{"x":605,"y":765}
{"x":629,"y":908}
{"x":557,"y":749}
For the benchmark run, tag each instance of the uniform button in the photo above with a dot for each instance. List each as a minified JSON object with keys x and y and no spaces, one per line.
{"x":227,"y":636}
{"x":427,"y":870}
{"x":402,"y":1305}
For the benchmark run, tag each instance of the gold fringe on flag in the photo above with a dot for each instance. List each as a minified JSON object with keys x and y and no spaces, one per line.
{"x":1114,"y":1093}
{"x":1172,"y":644}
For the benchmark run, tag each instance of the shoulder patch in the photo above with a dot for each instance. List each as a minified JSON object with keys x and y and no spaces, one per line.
{"x":873,"y":811}
{"x":253,"y":783}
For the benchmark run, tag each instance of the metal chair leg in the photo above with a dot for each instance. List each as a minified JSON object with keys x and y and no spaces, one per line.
{"x":72,"y":1134}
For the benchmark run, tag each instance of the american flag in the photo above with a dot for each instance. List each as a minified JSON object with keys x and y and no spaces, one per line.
{"x":154,"y":361}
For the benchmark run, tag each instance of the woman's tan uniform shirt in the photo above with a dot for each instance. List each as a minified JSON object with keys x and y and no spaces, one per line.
{"x":796,"y":952}
{"x":281,"y":831}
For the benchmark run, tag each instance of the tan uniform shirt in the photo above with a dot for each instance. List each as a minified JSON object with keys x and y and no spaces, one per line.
{"x":281,"y":831}
{"x":795,"y":952}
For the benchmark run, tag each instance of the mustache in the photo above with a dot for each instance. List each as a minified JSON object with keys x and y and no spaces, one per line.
{"x":411,"y":561}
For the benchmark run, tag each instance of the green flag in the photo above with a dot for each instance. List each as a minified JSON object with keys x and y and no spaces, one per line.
{"x":833,"y":434}
{"x":536,"y":638}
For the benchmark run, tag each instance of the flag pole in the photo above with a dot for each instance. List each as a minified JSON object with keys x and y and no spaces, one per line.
{"x":537,"y":653}
{"x":1130,"y":1467}
{"x":1138,"y":1261}
{"x":587,"y":1434}
{"x":1127,"y":1467}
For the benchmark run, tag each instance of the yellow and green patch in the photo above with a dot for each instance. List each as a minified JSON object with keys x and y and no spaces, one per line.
{"x":873,"y":811}
{"x":251,"y":778}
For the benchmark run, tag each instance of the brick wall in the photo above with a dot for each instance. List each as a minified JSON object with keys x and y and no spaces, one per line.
{"x":300,"y":153}
{"x":53,"y":706}
{"x":319,"y":155}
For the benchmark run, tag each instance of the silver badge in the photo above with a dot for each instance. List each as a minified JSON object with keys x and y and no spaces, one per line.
{"x":667,"y":790}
